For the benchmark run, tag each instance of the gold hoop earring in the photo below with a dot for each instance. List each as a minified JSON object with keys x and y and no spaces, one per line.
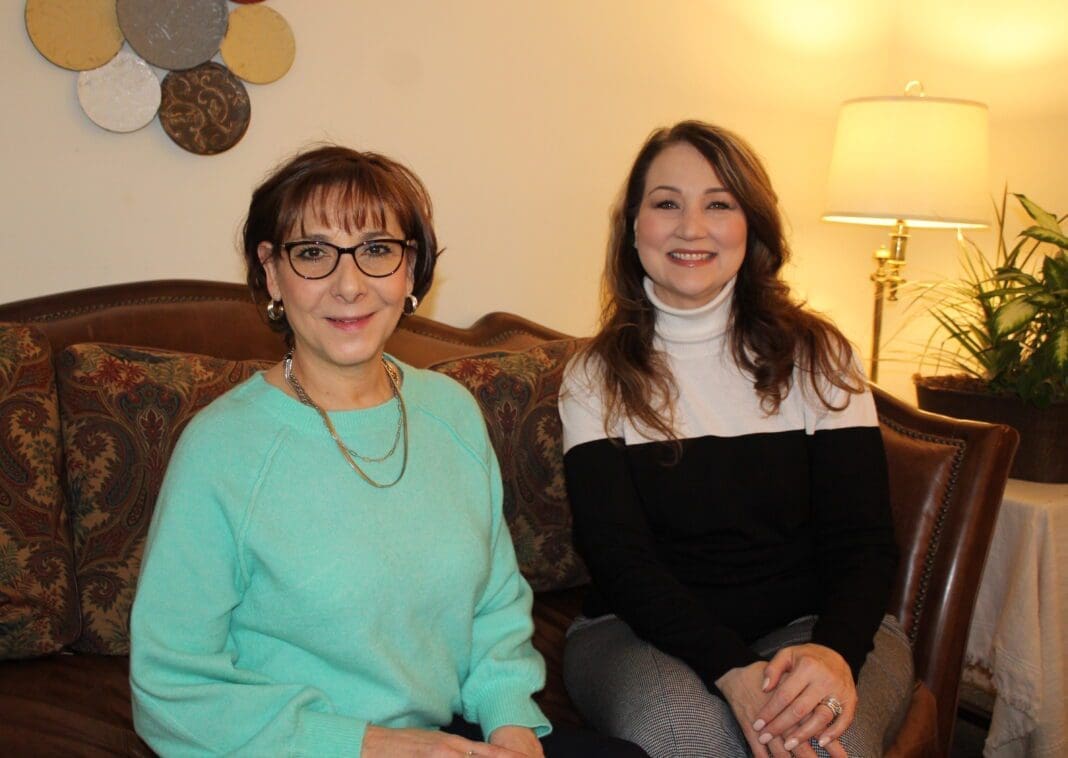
{"x":410,"y":304}
{"x":276,"y":310}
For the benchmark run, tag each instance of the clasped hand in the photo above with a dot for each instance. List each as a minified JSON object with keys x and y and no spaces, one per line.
{"x":778,"y":704}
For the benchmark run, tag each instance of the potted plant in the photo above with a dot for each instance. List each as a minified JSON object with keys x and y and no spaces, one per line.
{"x":1002,"y":330}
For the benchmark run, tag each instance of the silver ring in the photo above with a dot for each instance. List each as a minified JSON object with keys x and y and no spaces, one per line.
{"x":835,"y":706}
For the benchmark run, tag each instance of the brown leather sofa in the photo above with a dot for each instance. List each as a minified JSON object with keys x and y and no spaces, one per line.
{"x":67,"y":693}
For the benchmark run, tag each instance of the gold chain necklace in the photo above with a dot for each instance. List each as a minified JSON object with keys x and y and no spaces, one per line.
{"x":302,"y":395}
{"x":347,"y":452}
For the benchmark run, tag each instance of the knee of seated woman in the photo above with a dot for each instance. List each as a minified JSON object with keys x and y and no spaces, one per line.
{"x":708,"y":732}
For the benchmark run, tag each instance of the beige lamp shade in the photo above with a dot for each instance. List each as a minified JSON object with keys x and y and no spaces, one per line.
{"x":922,"y":160}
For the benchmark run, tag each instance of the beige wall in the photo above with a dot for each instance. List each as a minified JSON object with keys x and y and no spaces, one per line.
{"x":522,"y":118}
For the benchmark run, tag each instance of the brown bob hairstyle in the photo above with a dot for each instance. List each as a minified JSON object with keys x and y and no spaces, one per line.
{"x":770,"y":334}
{"x":342,"y":187}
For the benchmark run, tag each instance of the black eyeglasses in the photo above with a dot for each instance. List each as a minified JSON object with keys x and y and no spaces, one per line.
{"x":315,"y":259}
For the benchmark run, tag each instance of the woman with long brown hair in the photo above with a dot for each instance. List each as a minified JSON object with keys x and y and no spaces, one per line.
{"x":728,"y":482}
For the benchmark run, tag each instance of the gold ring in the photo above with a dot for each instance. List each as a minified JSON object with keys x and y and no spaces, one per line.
{"x":835,"y":706}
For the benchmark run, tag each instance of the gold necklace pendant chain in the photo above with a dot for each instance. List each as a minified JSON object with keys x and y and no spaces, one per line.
{"x":347,"y":452}
{"x":394,"y":382}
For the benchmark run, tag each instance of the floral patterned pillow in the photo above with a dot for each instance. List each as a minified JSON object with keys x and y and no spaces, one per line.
{"x":517,"y":393}
{"x":38,"y":603}
{"x":123,"y":409}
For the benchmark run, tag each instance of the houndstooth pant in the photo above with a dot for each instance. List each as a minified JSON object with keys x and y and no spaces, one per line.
{"x":626,"y":687}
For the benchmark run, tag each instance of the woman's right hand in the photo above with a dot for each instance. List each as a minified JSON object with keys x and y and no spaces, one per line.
{"x":744,"y":690}
{"x":381,"y":741}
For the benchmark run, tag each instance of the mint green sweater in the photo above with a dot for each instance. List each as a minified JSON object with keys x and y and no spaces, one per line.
{"x":284,"y":604}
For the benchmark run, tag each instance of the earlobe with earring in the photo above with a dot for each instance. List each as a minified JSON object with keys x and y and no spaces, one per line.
{"x":411,"y":302}
{"x":276,"y":310}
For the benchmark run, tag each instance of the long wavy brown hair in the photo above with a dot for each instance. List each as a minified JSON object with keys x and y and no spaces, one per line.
{"x":770,"y":333}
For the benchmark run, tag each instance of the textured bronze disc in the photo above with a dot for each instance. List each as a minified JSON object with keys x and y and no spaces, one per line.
{"x":173,"y":34}
{"x":75,"y":34}
{"x":259,"y":45}
{"x":205,"y":110}
{"x":122,"y":95}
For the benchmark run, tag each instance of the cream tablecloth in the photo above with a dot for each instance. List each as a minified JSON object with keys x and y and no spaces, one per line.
{"x":1019,"y":633}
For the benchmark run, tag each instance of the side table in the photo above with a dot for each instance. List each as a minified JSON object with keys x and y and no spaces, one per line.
{"x":1018,"y":641}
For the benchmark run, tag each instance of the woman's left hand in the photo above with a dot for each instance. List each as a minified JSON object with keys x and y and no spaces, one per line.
{"x":519,"y":739}
{"x":799,"y":678}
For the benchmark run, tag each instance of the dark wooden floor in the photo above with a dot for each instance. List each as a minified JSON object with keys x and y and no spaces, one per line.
{"x":968,"y":739}
{"x":973,"y":721}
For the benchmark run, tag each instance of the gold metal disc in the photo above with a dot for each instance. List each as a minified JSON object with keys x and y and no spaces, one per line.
{"x":75,"y":34}
{"x":259,"y":45}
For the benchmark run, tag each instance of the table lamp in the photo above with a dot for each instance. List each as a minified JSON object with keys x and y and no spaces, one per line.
{"x":907,"y":161}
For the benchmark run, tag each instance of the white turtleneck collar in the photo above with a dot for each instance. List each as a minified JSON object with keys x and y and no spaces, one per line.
{"x":678,"y":327}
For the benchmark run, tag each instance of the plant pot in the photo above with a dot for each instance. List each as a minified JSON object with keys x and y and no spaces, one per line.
{"x":1043,"y":452}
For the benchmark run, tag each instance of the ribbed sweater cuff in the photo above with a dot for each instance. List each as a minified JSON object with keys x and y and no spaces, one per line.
{"x":327,"y":734}
{"x":496,"y":711}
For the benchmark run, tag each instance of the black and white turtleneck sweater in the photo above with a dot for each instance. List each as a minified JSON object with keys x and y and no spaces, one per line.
{"x":764,"y":519}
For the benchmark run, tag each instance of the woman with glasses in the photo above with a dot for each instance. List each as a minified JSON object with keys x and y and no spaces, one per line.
{"x":728,"y":483}
{"x":328,"y":570}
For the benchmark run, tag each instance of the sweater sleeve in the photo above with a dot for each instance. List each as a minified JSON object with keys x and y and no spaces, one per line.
{"x":613,"y":537}
{"x":505,"y":669}
{"x":856,"y":550}
{"x":189,"y":695}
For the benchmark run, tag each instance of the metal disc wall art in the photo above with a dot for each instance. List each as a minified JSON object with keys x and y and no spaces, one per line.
{"x":173,"y":34}
{"x":203,"y":107}
{"x":74,"y":34}
{"x":259,"y":45}
{"x":122,"y":95}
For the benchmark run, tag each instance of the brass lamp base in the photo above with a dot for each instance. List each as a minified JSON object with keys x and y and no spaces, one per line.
{"x":887,"y":278}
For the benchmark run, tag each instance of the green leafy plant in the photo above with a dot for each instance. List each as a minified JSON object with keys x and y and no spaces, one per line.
{"x":1003,"y":325}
